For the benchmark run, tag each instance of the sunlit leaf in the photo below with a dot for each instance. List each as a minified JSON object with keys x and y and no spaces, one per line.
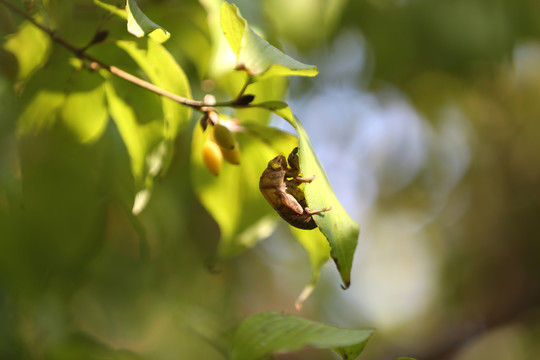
{"x":222,"y":58}
{"x":113,"y":9}
{"x":30,"y":46}
{"x":141,"y":127}
{"x":263,"y":334}
{"x":254,"y":54}
{"x":233,"y":26}
{"x":84,"y":109}
{"x":280,"y":108}
{"x":163,"y":71}
{"x":233,"y":198}
{"x":63,"y":92}
{"x":140,"y":25}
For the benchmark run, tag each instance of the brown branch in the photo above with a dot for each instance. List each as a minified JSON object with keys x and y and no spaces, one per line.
{"x":97,"y":64}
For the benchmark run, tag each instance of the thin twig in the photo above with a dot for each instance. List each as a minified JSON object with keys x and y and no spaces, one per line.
{"x":98,"y":64}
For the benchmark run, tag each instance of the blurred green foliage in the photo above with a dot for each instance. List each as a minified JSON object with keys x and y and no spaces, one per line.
{"x":81,"y":276}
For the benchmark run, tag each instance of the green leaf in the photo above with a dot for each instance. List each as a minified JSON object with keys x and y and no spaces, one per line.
{"x":262,"y":334}
{"x":111,"y":8}
{"x":140,"y":125}
{"x":339,"y":228}
{"x":40,"y":112}
{"x":63,"y":92}
{"x":318,"y":249}
{"x":233,"y":198}
{"x":43,"y":95}
{"x":233,"y":26}
{"x":280,"y":108}
{"x":163,"y":71}
{"x":30,"y":46}
{"x":84,"y":109}
{"x":140,"y":25}
{"x":222,"y":59}
{"x":254,"y":54}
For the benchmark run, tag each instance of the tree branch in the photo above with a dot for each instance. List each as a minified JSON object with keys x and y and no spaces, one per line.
{"x":96,"y":64}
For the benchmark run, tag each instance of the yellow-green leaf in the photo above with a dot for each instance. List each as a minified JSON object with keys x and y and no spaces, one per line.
{"x":260,"y":335}
{"x":254,"y":54}
{"x":30,"y":46}
{"x":140,"y":25}
{"x":111,"y":8}
{"x":140,"y":125}
{"x":63,"y":92}
{"x":84,"y":111}
{"x":163,"y":71}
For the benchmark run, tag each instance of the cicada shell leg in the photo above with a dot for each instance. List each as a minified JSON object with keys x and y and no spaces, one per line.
{"x":303,"y":179}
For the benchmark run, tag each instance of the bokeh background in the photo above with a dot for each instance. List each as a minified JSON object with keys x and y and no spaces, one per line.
{"x":426,"y":117}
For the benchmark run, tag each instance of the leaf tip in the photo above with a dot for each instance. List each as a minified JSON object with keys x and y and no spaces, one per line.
{"x":345,"y":275}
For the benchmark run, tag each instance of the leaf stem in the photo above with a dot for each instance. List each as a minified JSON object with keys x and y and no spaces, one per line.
{"x":249,"y":79}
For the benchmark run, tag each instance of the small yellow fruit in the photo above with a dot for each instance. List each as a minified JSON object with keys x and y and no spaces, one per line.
{"x":224,"y":137}
{"x":232,"y":156}
{"x":212,"y":157}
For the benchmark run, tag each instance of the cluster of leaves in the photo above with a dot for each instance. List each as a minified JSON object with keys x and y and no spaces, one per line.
{"x":59,"y":88}
{"x":239,"y":230}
